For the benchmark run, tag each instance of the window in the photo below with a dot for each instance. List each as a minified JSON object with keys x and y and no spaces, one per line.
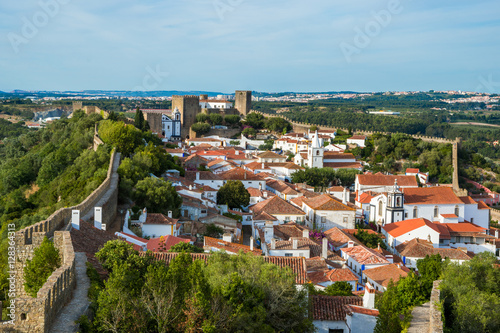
{"x":323,"y":219}
{"x":471,"y":220}
{"x":288,"y":254}
{"x":203,"y":211}
{"x":317,"y":152}
{"x":335,"y":330}
{"x":345,"y":219}
{"x":380,"y":203}
{"x":456,"y":210}
{"x":436,"y":211}
{"x":415,"y":211}
{"x":287,"y":218}
{"x":398,"y":201}
{"x":406,"y":215}
{"x":299,"y":219}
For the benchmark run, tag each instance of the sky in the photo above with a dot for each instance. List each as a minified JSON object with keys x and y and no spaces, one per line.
{"x":266,"y":46}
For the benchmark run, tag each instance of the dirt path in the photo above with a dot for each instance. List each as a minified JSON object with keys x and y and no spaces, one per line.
{"x":476,"y":124}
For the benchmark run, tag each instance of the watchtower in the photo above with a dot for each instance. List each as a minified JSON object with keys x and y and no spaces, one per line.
{"x":78,"y":105}
{"x":189,"y":107}
{"x":243,"y":101}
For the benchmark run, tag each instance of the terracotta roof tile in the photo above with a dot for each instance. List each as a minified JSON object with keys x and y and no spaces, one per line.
{"x":326,"y":202}
{"x":304,"y":243}
{"x":204,"y":175}
{"x":419,"y":248}
{"x":384,"y":274}
{"x":331,"y":308}
{"x":397,"y":229}
{"x":386,"y":180}
{"x":359,"y":309}
{"x":338,"y":237}
{"x":430,"y":196}
{"x":338,"y":156}
{"x":164,"y":243}
{"x":228,"y":246}
{"x":238,"y":174}
{"x":341,"y":274}
{"x":364,"y":255}
{"x":155,"y":218}
{"x":296,"y":264}
{"x":270,"y":154}
{"x":276,"y":206}
{"x":412,"y":170}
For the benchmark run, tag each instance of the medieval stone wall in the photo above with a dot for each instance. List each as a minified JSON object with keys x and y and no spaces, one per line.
{"x":243,"y":101}
{"x":436,"y":319}
{"x":36,"y":314}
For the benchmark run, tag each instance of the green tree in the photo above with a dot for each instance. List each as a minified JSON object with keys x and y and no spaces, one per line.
{"x":370,"y":239}
{"x":234,"y":194}
{"x":185,"y":247}
{"x":215,"y":119}
{"x":201,"y":117}
{"x":157,"y":196}
{"x":249,"y":132}
{"x":255,"y":120}
{"x":340,"y":288}
{"x":139,"y":119}
{"x":211,"y":230}
{"x":200,"y":128}
{"x":45,"y":260}
{"x":278,"y":125}
{"x":232,"y":119}
{"x":429,"y":269}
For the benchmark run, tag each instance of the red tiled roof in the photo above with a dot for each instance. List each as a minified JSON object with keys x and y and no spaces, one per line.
{"x":164,"y":243}
{"x":270,"y":154}
{"x":238,"y":174}
{"x":419,"y":248}
{"x":276,"y":206}
{"x":358,"y":137}
{"x":482,"y":205}
{"x":155,"y":218}
{"x":386,"y":180}
{"x":430,"y":196}
{"x":331,"y":308}
{"x":449,"y":216}
{"x":304,"y":243}
{"x":359,"y":309}
{"x":336,"y":189}
{"x":341,"y":274}
{"x":142,"y":240}
{"x":296,"y":264}
{"x":412,"y":170}
{"x":397,"y":229}
{"x":228,"y":246}
{"x":338,"y":237}
{"x":364,"y":255}
{"x":326,"y":202}
{"x":288,"y":230}
{"x":467,"y":200}
{"x":365,"y":198}
{"x":204,"y":175}
{"x":384,"y":274}
{"x":343,"y":165}
{"x":338,"y":155}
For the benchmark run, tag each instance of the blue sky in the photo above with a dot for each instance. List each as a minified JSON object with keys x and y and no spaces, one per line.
{"x":224,"y":45}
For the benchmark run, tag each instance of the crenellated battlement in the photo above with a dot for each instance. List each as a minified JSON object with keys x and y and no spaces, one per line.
{"x":37,"y":314}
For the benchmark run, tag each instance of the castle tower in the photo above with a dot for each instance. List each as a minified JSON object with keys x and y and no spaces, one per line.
{"x":395,"y":204}
{"x":243,"y":101}
{"x":315,"y":153}
{"x":189,"y":107}
{"x":78,"y":105}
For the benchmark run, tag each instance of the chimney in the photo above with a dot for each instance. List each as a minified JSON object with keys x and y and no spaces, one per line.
{"x":227,"y":237}
{"x":369,"y":296}
{"x":305,"y":233}
{"x":75,"y":219}
{"x":273,"y":244}
{"x":262,"y":165}
{"x":245,"y":174}
{"x":98,"y":217}
{"x":237,"y":152}
{"x":389,"y":258}
{"x":269,"y":230}
{"x":350,"y":244}
{"x":295,"y":243}
{"x":190,"y":187}
{"x":170,"y":214}
{"x":260,"y":186}
{"x":197,"y":176}
{"x":251,"y":243}
{"x":344,"y":197}
{"x":265,"y":194}
{"x":324,"y":248}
